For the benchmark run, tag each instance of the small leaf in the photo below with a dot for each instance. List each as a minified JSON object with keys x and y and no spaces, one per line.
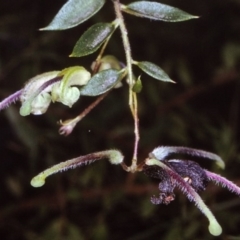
{"x":101,"y":83}
{"x":156,"y":11}
{"x":137,"y":87}
{"x":154,"y":71}
{"x":107,"y":62}
{"x":92,"y":39}
{"x":74,"y":12}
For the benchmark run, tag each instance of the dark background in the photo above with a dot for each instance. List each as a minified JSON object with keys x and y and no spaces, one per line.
{"x":102,"y":201}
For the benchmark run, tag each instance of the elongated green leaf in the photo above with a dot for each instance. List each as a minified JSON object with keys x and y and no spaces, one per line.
{"x":156,"y":11}
{"x":154,"y":71}
{"x":74,"y":12}
{"x":92,"y":39}
{"x":101,"y":83}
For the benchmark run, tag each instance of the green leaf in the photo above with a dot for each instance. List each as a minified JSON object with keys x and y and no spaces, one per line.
{"x":101,"y":83}
{"x":74,"y":12}
{"x":137,"y":87}
{"x":156,"y":11}
{"x":92,"y":39}
{"x":154,"y":71}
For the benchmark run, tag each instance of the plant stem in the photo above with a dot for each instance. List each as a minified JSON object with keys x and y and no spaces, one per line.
{"x":127,"y":49}
{"x":132,"y":95}
{"x":91,"y":106}
{"x":136,"y":131}
{"x":103,"y":49}
{"x":64,"y":129}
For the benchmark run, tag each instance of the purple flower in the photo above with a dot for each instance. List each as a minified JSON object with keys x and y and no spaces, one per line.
{"x":186,"y":175}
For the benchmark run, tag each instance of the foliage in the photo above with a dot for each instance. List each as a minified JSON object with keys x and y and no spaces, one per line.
{"x":177,"y":127}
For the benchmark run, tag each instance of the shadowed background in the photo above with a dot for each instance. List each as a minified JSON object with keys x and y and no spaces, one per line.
{"x":102,"y":201}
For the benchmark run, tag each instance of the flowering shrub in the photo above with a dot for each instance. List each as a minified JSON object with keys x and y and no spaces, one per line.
{"x":107,"y":73}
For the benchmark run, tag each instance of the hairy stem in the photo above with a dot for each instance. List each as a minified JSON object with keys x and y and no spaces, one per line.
{"x":114,"y":156}
{"x":68,"y":125}
{"x":116,"y":24}
{"x":223,"y":181}
{"x":132,"y":96}
{"x":10,"y":99}
{"x":136,"y":131}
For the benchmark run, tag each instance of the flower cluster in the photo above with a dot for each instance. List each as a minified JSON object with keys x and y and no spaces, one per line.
{"x":189,"y":171}
{"x":186,"y":175}
{"x":55,"y":86}
{"x":66,"y":86}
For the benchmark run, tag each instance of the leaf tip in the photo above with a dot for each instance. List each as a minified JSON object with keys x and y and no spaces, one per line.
{"x":49,"y":28}
{"x":42,"y":29}
{"x":76,"y":55}
{"x":196,"y":16}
